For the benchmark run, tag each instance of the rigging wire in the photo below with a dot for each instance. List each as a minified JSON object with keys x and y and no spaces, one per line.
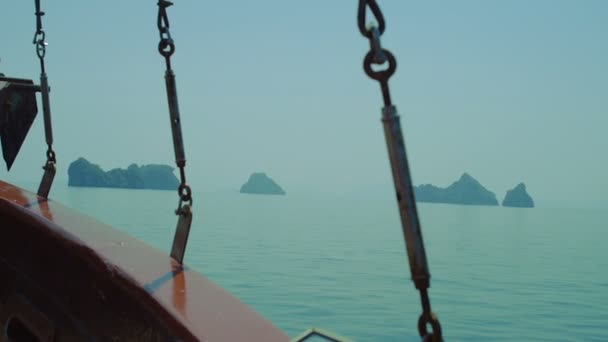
{"x":410,"y":222}
{"x":166,"y":47}
{"x":49,"y":167}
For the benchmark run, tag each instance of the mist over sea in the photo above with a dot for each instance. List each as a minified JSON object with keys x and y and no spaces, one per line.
{"x":338,"y":261}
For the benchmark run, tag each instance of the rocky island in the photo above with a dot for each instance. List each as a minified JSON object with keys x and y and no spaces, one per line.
{"x":260,"y":184}
{"x":518,"y":197}
{"x":154,"y":176}
{"x":466,"y":190}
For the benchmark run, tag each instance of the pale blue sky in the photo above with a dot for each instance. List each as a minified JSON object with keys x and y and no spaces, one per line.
{"x":508,"y":91}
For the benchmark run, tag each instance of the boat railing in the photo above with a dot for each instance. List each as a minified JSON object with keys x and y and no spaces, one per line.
{"x":313,"y":334}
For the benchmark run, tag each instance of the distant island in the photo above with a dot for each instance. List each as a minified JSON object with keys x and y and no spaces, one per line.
{"x":82,"y":173}
{"x":518,"y":197}
{"x":466,"y":190}
{"x":260,"y":184}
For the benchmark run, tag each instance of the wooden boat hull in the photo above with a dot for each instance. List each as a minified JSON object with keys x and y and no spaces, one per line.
{"x":66,"y":277}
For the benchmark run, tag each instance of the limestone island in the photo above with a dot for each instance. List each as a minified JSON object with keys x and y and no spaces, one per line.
{"x":518,"y":197}
{"x":154,"y":176}
{"x":467,"y":190}
{"x":260,"y":184}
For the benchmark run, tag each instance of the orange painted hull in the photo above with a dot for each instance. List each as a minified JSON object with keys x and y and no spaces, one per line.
{"x":68,"y":277}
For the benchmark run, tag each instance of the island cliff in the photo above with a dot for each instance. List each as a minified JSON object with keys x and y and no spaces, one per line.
{"x":518,"y":197}
{"x":259,"y":183}
{"x":160,"y":177}
{"x":466,"y":190}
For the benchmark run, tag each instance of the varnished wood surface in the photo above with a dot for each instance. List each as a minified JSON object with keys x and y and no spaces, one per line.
{"x":87,"y":278}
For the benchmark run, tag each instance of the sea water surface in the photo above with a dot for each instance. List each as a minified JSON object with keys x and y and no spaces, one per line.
{"x":338,"y":261}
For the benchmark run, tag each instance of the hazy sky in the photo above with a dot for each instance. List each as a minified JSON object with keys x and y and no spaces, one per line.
{"x":508,"y":91}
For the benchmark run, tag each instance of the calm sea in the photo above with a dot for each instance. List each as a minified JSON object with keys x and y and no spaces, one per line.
{"x":338,"y":262}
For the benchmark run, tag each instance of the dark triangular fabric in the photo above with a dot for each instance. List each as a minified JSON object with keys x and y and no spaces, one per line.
{"x":18,"y":110}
